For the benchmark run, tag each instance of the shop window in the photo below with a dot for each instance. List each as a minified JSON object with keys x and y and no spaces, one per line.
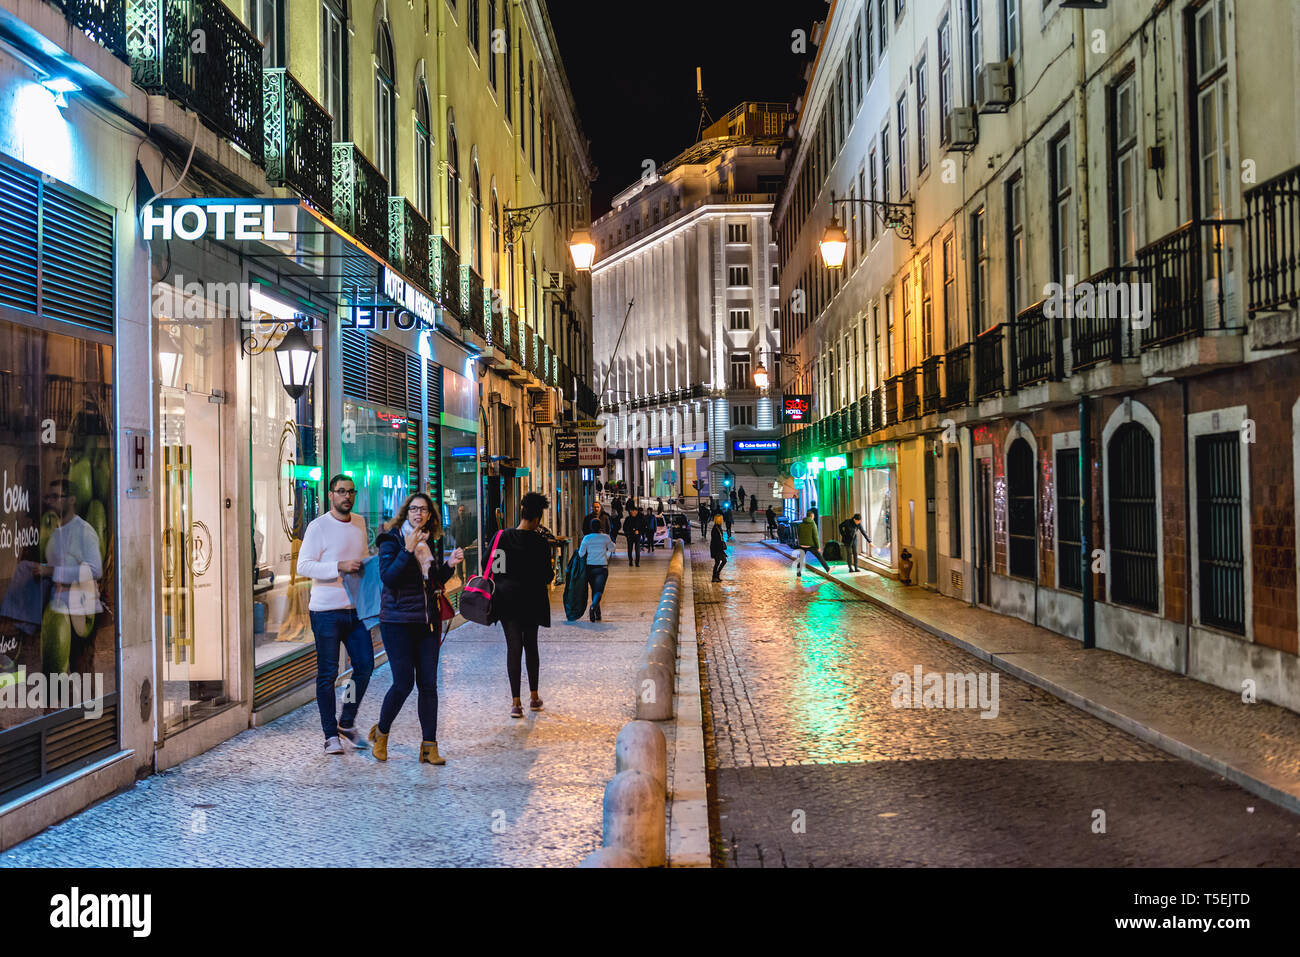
{"x":1069,"y":538}
{"x":879,"y":515}
{"x":1131,"y":491}
{"x":1218,"y":531}
{"x":1021,"y":531}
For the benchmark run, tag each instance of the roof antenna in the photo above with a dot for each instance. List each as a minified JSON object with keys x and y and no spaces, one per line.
{"x":704,"y":105}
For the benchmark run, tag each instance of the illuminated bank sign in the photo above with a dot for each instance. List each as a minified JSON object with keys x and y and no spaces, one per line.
{"x":659,"y":451}
{"x":753,"y":446}
{"x":409,"y":298}
{"x":796,"y":408}
{"x":694,"y":448}
{"x":237,"y":219}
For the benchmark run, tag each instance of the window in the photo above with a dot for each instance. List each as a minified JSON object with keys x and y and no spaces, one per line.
{"x":1212,"y":99}
{"x":492,"y":53}
{"x":1069,"y":540}
{"x":453,"y":185}
{"x":740,"y":371}
{"x":737,"y":275}
{"x":475,"y":221}
{"x":776,"y":275}
{"x":266,"y":20}
{"x":471,"y":24}
{"x":1218,"y":531}
{"x":890,"y":353}
{"x":854,"y":228}
{"x":1010,"y":27}
{"x":898,"y":8}
{"x":1131,"y":489}
{"x":508,"y":99}
{"x":385,"y":108}
{"x":1016,"y":299}
{"x":945,"y":76}
{"x":882,"y":23}
{"x":523,"y":131}
{"x":979,"y":279}
{"x":532,"y":122}
{"x":1062,"y":223}
{"x":884,"y":164}
{"x":496,"y":239}
{"x":1124,"y":171}
{"x":870,"y":50}
{"x":857,"y":62}
{"x":952,"y":334}
{"x":739,"y":318}
{"x":742,"y":415}
{"x":922,"y":143}
{"x":863,"y":213}
{"x":974,"y":44}
{"x":423,"y":152}
{"x":927,"y":310}
{"x":902,"y":146}
{"x":737,"y":232}
{"x":1021,"y":541}
{"x":909,"y":339}
{"x":874,"y":194}
{"x":334,"y":69}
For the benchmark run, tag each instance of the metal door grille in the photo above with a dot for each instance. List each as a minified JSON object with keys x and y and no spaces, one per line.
{"x":1021,"y":542}
{"x":1218,"y":531}
{"x":1069,"y":541}
{"x":1134,"y":559}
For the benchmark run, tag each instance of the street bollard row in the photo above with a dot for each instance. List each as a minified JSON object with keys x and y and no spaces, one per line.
{"x":634,"y":819}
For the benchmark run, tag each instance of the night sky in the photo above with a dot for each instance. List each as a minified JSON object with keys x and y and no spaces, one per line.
{"x":632,"y":70}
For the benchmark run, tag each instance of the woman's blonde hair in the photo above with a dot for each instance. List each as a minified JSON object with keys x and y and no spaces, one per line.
{"x":433,"y":526}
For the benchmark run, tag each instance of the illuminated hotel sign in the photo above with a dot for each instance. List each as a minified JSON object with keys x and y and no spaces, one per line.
{"x":409,"y":297}
{"x":750,"y":446}
{"x":238,"y":219}
{"x":796,"y":408}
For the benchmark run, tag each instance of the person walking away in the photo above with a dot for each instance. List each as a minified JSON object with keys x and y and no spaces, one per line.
{"x":729,"y":516}
{"x":717,"y":548}
{"x":410,"y":621}
{"x":771,"y":522}
{"x":809,"y":542}
{"x":850,"y":529}
{"x":633,"y":529}
{"x":753,"y":507}
{"x":596,"y":548}
{"x":522,"y":595}
{"x":704,"y":519}
{"x":597,"y":512}
{"x":335,"y":544}
{"x":615,"y":526}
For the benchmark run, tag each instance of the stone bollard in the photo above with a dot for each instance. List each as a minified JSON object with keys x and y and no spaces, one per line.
{"x":610,"y":857}
{"x":641,"y":746}
{"x":634,"y":817}
{"x":654,"y":691}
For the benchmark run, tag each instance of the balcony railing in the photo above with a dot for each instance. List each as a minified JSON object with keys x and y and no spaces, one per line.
{"x":360,"y":198}
{"x":1039,"y":346}
{"x":297,"y":139}
{"x":864,"y":415}
{"x":1191,"y":271}
{"x":512,"y":326}
{"x":891,"y":400}
{"x":444,"y":266}
{"x":408,"y":240}
{"x":496,"y":330}
{"x":104,"y":21}
{"x":956,"y":378}
{"x":220,"y":79}
{"x":931,"y":393}
{"x":1105,"y":330}
{"x":990,"y":364}
{"x":471,"y":298}
{"x":1273,"y":242}
{"x":911,"y":393}
{"x":877,"y":409}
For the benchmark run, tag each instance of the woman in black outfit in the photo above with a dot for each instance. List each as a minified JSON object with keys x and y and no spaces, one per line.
{"x":522,"y":594}
{"x":408,"y":618}
{"x":717,"y":547}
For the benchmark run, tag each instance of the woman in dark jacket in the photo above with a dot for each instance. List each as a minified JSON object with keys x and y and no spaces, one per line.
{"x":717,"y":547}
{"x":408,"y":618}
{"x":522,"y":576}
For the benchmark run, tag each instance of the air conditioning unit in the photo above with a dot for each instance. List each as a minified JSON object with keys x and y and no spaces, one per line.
{"x":961,"y":128}
{"x":543,"y":412}
{"x":994,"y":87}
{"x":553,"y":280}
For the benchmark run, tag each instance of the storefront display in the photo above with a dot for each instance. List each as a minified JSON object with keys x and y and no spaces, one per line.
{"x":378,"y":453}
{"x":879,"y":514}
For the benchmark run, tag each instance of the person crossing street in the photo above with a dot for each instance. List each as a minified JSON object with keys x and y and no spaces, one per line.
{"x":809,"y":541}
{"x":717,"y":548}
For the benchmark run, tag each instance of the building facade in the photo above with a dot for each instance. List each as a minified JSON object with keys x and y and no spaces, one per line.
{"x":339,"y":245}
{"x":1057,"y":368}
{"x":689,"y":248}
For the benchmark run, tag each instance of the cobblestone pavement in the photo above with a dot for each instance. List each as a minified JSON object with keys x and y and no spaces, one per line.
{"x":269,"y":797}
{"x":813,"y":764}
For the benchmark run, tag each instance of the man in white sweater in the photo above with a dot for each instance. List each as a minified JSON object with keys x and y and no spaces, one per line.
{"x":336,"y":544}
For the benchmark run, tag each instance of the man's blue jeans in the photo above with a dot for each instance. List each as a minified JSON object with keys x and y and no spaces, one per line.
{"x":332,"y":628}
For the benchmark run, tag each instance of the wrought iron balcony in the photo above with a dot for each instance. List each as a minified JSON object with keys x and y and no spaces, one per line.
{"x":990,"y":364}
{"x":1039,"y":346}
{"x":496,"y":330}
{"x":104,"y":21}
{"x":911,"y":393}
{"x":360,"y":198}
{"x":854,"y":423}
{"x":1186,"y":270}
{"x":528,"y":349}
{"x":408,"y":240}
{"x":1105,"y":331}
{"x":931,"y":394}
{"x":471,"y":299}
{"x":892,"y":409}
{"x":956,"y":378}
{"x":1273,"y":242}
{"x":877,"y":409}
{"x":511,"y":331}
{"x":444,"y":265}
{"x":297,"y":139}
{"x":220,"y":79}
{"x":519,"y":348}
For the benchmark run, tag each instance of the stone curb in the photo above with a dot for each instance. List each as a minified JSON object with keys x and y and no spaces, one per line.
{"x":688,"y":800}
{"x":1289,"y":799}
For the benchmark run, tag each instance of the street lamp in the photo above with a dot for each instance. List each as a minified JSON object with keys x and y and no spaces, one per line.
{"x":296,"y":357}
{"x":835,"y":242}
{"x":582,"y":249}
{"x":761,"y":377}
{"x":520,"y":219}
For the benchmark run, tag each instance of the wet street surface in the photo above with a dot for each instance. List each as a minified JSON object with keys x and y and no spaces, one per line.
{"x":817,"y":760}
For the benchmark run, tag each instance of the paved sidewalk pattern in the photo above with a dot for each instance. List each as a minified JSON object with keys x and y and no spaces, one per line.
{"x":513,"y":792}
{"x":815,"y":766}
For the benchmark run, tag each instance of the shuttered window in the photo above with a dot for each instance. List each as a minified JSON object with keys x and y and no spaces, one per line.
{"x":1069,"y":542}
{"x":1021,"y":543}
{"x":375,"y":371}
{"x":435,"y":430}
{"x":1219,"y":544}
{"x":1131,"y":488}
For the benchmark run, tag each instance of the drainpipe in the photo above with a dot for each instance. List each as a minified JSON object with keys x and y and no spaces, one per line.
{"x":1187,"y":533}
{"x":1081,"y":159}
{"x":970,"y":525}
{"x":1085,"y":521}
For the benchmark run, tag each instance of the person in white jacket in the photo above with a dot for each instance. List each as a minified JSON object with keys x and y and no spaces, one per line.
{"x":334,"y":545}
